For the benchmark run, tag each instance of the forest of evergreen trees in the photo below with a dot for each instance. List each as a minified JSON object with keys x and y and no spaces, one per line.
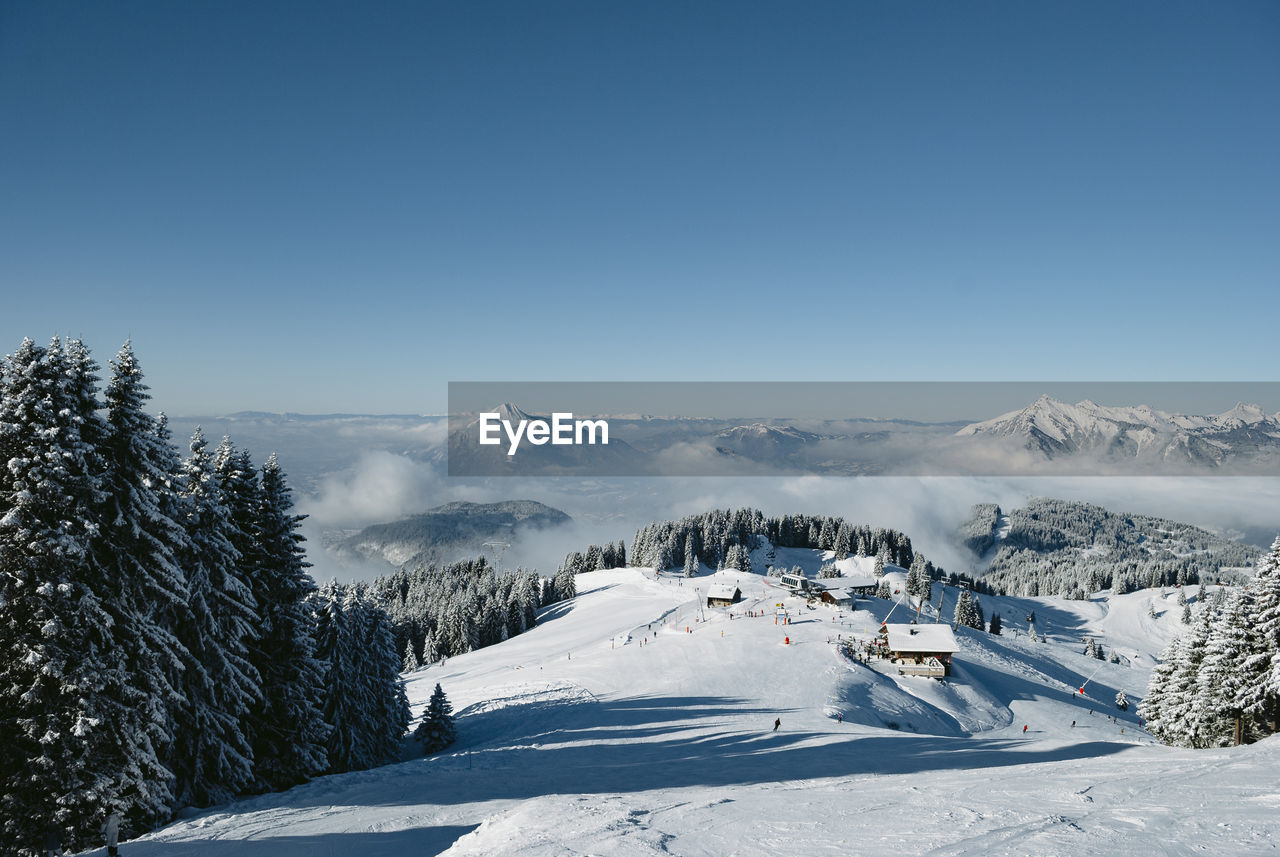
{"x":1219,"y":683}
{"x":708,"y":537}
{"x":1067,"y":548}
{"x":162,"y":642}
{"x":596,"y":558}
{"x":441,"y":611}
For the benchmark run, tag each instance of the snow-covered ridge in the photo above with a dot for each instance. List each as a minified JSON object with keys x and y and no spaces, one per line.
{"x":1056,"y":428}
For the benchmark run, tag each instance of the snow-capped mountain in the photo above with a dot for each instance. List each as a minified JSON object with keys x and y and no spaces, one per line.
{"x":1057,"y":429}
{"x":764,"y":442}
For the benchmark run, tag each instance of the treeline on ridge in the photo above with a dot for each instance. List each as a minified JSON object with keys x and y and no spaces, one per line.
{"x":708,"y":537}
{"x":441,"y":611}
{"x":1067,"y":548}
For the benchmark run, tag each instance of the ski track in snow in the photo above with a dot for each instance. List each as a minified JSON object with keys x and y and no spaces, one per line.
{"x":581,"y":737}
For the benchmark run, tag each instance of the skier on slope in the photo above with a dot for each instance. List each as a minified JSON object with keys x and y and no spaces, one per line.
{"x":776,"y":724}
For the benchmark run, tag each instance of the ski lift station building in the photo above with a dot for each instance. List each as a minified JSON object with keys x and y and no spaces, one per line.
{"x":723,"y":594}
{"x":922,"y":649}
{"x":797,"y":582}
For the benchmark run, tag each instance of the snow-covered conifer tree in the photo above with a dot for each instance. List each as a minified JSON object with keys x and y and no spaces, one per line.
{"x":388,"y":714}
{"x":1178,"y":703}
{"x":344,"y":703}
{"x":289,"y":734}
{"x":566,"y":586}
{"x":138,"y":547}
{"x":211,"y":756}
{"x":436,"y":730}
{"x":1261,"y":701}
{"x":1222,"y":676}
{"x":364,"y":698}
{"x":965,"y":614}
{"x":409,"y":662}
{"x":430,"y":654}
{"x":63,"y":669}
{"x":1158,"y":687}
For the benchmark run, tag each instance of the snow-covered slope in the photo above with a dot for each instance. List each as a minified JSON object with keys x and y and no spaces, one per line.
{"x":634,"y":721}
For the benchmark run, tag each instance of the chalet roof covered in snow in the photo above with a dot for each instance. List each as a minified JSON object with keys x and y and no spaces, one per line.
{"x":922,"y":638}
{"x":726,"y":591}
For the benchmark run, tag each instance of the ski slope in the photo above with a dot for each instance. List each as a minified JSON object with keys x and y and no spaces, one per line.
{"x":633,"y":721}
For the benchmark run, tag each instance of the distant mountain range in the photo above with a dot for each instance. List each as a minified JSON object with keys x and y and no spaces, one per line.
{"x":1056,"y":429}
{"x":449,"y":532}
{"x":1083,"y":437}
{"x":1048,"y":436}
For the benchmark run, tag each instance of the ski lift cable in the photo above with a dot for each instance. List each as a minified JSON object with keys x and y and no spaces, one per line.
{"x":1085,"y":683}
{"x":885,"y":621}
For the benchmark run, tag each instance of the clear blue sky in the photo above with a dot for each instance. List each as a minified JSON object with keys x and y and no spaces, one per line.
{"x":342,"y":206}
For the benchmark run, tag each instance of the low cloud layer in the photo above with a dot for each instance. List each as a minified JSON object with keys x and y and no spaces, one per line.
{"x":381,"y":486}
{"x":395,"y":470}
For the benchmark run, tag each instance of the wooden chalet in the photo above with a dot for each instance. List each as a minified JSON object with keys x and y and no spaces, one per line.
{"x":723,"y":594}
{"x":921,"y":649}
{"x":838,"y":597}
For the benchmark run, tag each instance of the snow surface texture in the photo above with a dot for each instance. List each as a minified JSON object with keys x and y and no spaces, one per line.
{"x":632,"y":721}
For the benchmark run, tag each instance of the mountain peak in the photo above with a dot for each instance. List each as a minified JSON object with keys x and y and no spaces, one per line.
{"x":1246,"y":413}
{"x":511,"y":413}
